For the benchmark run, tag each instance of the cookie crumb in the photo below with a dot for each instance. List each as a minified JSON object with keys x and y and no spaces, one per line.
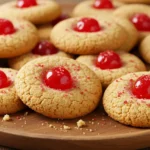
{"x":66,"y":127}
{"x":26,"y":113}
{"x":83,"y":133}
{"x":90,"y":130}
{"x":51,"y":126}
{"x":81,"y":123}
{"x":6,"y":118}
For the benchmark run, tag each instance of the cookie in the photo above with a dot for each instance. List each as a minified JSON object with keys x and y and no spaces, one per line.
{"x":17,"y":37}
{"x":127,"y":99}
{"x":138,"y":14}
{"x":94,"y":36}
{"x":58,"y":87}
{"x":144,"y":49}
{"x":42,"y":48}
{"x":9,"y":101}
{"x":135,"y":1}
{"x":97,"y":7}
{"x":109,"y":65}
{"x":35,"y":11}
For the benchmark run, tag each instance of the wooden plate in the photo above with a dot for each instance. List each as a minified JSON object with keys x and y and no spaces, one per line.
{"x":35,"y":132}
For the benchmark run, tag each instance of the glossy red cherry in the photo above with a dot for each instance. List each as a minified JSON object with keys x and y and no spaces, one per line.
{"x":6,"y":27}
{"x":87,"y":25}
{"x":108,"y":60}
{"x":58,"y":78}
{"x":59,"y":19}
{"x":141,"y":87}
{"x":4,"y":81}
{"x":103,"y":4}
{"x":44,"y":48}
{"x":26,"y":3}
{"x":141,"y":22}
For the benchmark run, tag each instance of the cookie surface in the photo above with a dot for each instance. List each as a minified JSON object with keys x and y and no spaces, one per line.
{"x":9,"y":101}
{"x":135,"y":1}
{"x":78,"y":101}
{"x":123,"y":106}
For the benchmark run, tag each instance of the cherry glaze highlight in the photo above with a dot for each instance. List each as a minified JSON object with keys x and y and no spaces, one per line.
{"x":87,"y":25}
{"x":108,"y":60}
{"x":6,"y":27}
{"x":26,"y":3}
{"x":58,"y":78}
{"x":141,"y":22}
{"x":141,"y":87}
{"x":103,"y":4}
{"x":45,"y":48}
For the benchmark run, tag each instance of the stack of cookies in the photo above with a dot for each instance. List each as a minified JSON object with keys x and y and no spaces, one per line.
{"x":61,"y":65}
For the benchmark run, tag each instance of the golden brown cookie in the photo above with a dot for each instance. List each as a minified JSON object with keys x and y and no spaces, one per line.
{"x":135,"y":1}
{"x":127,"y":99}
{"x":43,"y":12}
{"x":17,"y":37}
{"x":58,"y":87}
{"x":109,"y":67}
{"x":101,"y":35}
{"x":9,"y":100}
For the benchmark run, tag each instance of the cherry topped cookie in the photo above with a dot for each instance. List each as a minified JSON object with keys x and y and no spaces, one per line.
{"x":17,"y":37}
{"x":110,"y":65}
{"x":42,"y":48}
{"x":96,"y":7}
{"x":35,"y":11}
{"x":9,"y":101}
{"x":127,"y":99}
{"x":88,"y":35}
{"x":58,"y":87}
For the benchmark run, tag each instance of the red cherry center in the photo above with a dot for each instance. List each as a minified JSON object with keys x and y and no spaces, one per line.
{"x":6,"y":27}
{"x":87,"y":25}
{"x":141,"y":87}
{"x":141,"y":22}
{"x":26,"y":3}
{"x":4,"y":81}
{"x":108,"y":60}
{"x":44,"y":48}
{"x":59,"y":19}
{"x":58,"y":78}
{"x":103,"y":4}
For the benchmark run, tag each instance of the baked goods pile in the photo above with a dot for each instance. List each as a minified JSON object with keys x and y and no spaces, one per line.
{"x":61,"y":66}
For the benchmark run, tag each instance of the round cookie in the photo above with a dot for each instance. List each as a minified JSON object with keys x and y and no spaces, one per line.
{"x":144,"y":49}
{"x":135,"y":1}
{"x":21,"y":41}
{"x":111,"y":36}
{"x":9,"y":101}
{"x":44,"y":12}
{"x":128,"y":11}
{"x":86,"y":8}
{"x":130,"y":63}
{"x":81,"y":98}
{"x":122,"y":105}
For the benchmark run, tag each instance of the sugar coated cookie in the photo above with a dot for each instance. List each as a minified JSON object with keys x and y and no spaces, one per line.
{"x":127,"y":99}
{"x":58,"y":87}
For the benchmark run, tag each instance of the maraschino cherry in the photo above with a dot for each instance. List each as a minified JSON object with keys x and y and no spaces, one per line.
{"x":108,"y":60}
{"x":141,"y":22}
{"x":26,"y":3}
{"x":6,"y":27}
{"x":103,"y":4}
{"x":58,"y":78}
{"x":87,"y":25}
{"x":141,"y":87}
{"x":44,"y":48}
{"x":4,"y":81}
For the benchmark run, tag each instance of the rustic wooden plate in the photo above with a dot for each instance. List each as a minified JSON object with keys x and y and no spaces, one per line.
{"x":33,"y":131}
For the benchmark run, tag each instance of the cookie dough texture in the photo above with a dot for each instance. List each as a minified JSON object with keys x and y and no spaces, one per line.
{"x":144,"y":49}
{"x":123,"y":106}
{"x":9,"y":101}
{"x":18,"y":62}
{"x":130,"y":64}
{"x":112,"y":36}
{"x":22,"y":41}
{"x":82,"y":99}
{"x":135,"y":1}
{"x":44,"y":12}
{"x":86,"y":8}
